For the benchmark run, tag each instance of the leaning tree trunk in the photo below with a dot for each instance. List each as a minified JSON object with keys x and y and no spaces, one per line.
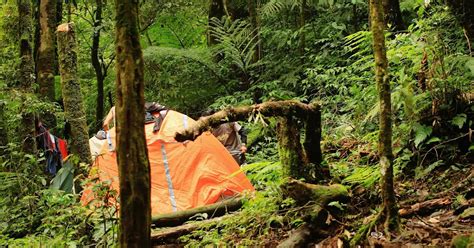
{"x":464,"y":12}
{"x":98,"y":66}
{"x":393,"y":14}
{"x":132,"y":157}
{"x":27,"y":75}
{"x":389,"y":207}
{"x":71,"y":90}
{"x":46,"y":60}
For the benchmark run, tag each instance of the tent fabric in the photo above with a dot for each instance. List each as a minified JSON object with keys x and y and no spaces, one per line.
{"x":183,"y":175}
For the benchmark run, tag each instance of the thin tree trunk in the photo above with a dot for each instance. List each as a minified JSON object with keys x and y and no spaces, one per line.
{"x":71,"y":91}
{"x":27,"y":75}
{"x":216,"y":10}
{"x":302,"y":23}
{"x":255,"y":30}
{"x":46,"y":60}
{"x":389,"y":207}
{"x":393,"y":14}
{"x":132,"y":157}
{"x":3,"y":129}
{"x":98,"y":67}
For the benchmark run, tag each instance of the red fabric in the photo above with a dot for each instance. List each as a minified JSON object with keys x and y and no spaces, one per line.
{"x":62,"y":147}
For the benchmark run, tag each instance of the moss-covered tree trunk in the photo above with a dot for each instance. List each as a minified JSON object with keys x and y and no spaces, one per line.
{"x":393,"y":14}
{"x":389,"y":207}
{"x":46,"y":61}
{"x":27,"y":75}
{"x":71,"y":91}
{"x":132,"y":155}
{"x":289,"y":148}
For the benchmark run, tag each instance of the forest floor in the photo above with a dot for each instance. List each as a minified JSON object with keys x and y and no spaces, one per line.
{"x":434,"y":210}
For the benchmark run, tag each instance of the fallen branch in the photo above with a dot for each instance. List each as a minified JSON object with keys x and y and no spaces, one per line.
{"x":170,"y":235}
{"x":213,"y":210}
{"x":274,"y":109}
{"x":424,"y":207}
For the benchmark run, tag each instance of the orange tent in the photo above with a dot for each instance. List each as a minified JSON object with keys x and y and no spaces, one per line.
{"x":183,"y":175}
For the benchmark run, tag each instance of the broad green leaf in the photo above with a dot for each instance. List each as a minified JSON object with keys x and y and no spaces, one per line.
{"x":459,"y":120}
{"x":422,"y":132}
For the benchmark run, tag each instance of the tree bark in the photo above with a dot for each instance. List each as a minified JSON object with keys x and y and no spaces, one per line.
{"x":389,"y":207}
{"x":46,"y":60}
{"x":464,"y":11}
{"x":27,"y":75}
{"x":393,"y":14}
{"x":132,"y":154}
{"x":290,"y":149}
{"x":100,"y":73}
{"x":71,"y":91}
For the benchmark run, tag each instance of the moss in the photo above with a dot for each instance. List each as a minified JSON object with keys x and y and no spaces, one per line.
{"x":71,"y":91}
{"x":463,"y":241}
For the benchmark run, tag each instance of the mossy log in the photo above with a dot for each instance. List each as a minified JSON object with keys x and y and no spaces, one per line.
{"x":169,"y":236}
{"x":314,"y":217}
{"x":303,"y":192}
{"x":213,"y":210}
{"x":71,"y":91}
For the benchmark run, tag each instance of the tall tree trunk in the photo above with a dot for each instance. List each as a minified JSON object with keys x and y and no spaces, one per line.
{"x":393,"y":14}
{"x":216,"y":10}
{"x":98,"y":67}
{"x":46,"y":60}
{"x":27,"y":74}
{"x":389,"y":207}
{"x":464,"y":12}
{"x":71,"y":91}
{"x":132,"y":154}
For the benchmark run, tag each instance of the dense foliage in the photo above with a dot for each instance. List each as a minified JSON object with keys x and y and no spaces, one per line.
{"x":431,"y":74}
